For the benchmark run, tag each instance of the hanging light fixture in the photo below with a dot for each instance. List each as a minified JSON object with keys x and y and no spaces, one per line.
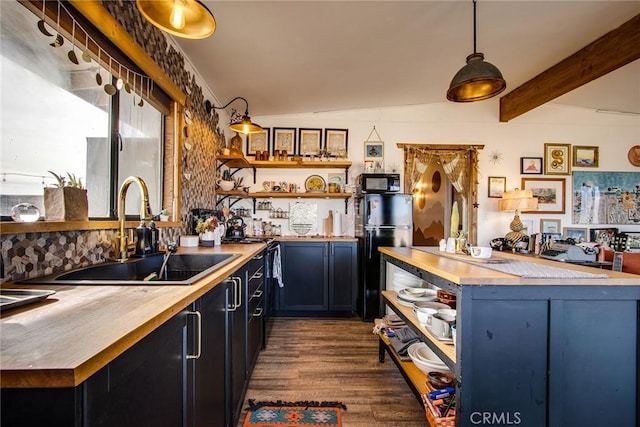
{"x":189,"y":19}
{"x":242,"y":124}
{"x":478,"y":79}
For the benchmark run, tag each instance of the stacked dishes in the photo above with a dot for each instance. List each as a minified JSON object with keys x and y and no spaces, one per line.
{"x":402,"y":279}
{"x":409,"y":296}
{"x":425,"y":359}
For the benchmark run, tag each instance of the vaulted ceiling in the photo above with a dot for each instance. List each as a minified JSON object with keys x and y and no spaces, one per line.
{"x":289,"y":57}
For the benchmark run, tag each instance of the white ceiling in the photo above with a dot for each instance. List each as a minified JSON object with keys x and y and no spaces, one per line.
{"x":288,"y":57}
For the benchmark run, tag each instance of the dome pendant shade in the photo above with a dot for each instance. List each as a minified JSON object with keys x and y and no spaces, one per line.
{"x":188,"y":19}
{"x":245,"y":126}
{"x":476,"y":81}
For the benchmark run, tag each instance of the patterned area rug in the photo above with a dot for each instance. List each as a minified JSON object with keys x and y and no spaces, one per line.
{"x":286,"y":414}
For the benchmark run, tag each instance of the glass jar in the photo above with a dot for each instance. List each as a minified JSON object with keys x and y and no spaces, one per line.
{"x":25,"y":212}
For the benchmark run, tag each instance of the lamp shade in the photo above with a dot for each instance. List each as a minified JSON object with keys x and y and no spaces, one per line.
{"x":188,"y":19}
{"x":518,"y":201}
{"x":245,"y":126}
{"x":476,"y":81}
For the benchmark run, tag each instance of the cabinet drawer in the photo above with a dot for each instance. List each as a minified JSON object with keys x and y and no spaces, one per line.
{"x":255,"y":282}
{"x":255,"y":308}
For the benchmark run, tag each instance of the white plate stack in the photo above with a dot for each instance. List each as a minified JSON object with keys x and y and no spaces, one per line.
{"x":402,"y":279}
{"x":425,"y":359}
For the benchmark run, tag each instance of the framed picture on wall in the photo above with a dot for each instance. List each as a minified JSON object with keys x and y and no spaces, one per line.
{"x":309,"y":142}
{"x":550,"y":226}
{"x":550,"y":193}
{"x":531,"y":165}
{"x":336,"y":142}
{"x":603,"y":236}
{"x":258,"y":142}
{"x":585,"y":156}
{"x":497,"y":186}
{"x":284,"y":139}
{"x":557,"y":159}
{"x":373,"y":150}
{"x":578,"y":234}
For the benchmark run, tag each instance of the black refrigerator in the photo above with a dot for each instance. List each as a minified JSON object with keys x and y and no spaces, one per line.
{"x":381,"y":220}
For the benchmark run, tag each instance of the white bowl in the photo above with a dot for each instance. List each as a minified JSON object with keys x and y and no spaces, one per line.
{"x":424,"y":365}
{"x":429,"y":304}
{"x":425,"y":354}
{"x":226,"y":185}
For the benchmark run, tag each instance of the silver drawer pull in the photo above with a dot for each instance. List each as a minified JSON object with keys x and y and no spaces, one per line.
{"x":258,"y":312}
{"x":257,"y":294}
{"x":258,"y":257}
{"x":199,"y":336}
{"x":257,"y":275}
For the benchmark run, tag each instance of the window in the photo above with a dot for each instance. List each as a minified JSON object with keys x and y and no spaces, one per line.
{"x":55,"y":116}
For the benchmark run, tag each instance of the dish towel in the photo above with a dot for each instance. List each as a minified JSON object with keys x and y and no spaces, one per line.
{"x":277,"y":267}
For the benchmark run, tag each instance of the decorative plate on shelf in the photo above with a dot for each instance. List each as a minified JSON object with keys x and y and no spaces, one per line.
{"x":315,"y":184}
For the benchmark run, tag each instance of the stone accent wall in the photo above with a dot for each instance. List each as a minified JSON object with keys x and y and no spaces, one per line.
{"x":27,"y":255}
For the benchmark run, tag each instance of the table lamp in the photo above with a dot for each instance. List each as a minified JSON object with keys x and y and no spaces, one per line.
{"x":517,"y":201}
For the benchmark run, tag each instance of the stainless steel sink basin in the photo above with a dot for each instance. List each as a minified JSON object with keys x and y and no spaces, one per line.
{"x":181,"y":269}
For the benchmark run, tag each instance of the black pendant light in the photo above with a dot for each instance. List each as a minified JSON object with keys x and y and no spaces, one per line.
{"x":478,"y":79}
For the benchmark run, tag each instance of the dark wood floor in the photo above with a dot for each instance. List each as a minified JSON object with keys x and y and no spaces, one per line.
{"x":336,"y":360}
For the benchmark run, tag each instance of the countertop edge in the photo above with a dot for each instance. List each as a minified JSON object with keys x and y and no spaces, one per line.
{"x":29,"y":375}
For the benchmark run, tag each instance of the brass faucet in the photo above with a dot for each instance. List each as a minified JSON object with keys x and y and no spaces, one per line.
{"x":122,"y":245}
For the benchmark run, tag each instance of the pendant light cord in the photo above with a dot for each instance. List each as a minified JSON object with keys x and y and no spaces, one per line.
{"x":474,"y":26}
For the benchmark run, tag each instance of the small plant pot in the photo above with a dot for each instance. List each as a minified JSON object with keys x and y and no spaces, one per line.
{"x":66,"y":204}
{"x":226,"y":185}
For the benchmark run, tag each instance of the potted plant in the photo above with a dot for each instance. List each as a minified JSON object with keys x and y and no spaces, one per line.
{"x":226,"y":183}
{"x":67,"y":200}
{"x":164,"y":215}
{"x":210,"y":233}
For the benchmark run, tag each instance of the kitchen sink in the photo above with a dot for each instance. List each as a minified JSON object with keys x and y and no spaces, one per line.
{"x":181,"y":269}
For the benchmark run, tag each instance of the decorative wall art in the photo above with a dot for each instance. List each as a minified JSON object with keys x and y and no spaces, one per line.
{"x":606,"y":197}
{"x":557,"y":159}
{"x":258,"y":142}
{"x":550,"y":226}
{"x":602,"y":236}
{"x":633,"y":155}
{"x":336,"y":142}
{"x":578,"y":234}
{"x":531,"y":165}
{"x":309,"y":142}
{"x":585,"y":156}
{"x":497,"y":186}
{"x":550,"y":193}
{"x":633,"y":241}
{"x":284,"y":139}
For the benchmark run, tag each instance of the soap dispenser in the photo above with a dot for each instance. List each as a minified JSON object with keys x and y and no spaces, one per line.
{"x":143,"y":245}
{"x":154,"y":237}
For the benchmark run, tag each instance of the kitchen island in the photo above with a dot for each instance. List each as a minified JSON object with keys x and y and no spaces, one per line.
{"x":533,"y":351}
{"x":68,"y":352}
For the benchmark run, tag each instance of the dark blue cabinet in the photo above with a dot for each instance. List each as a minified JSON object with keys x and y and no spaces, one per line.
{"x":319,"y":278}
{"x":191,"y":371}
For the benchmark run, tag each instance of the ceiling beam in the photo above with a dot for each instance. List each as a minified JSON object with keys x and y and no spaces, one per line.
{"x":613,"y":50}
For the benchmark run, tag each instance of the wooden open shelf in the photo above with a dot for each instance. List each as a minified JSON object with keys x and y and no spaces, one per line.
{"x":406,"y":313}
{"x":233,"y":161}
{"x":287,"y":195}
{"x":331,"y":164}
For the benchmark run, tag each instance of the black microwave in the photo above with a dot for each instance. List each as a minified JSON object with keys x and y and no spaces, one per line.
{"x":378,"y":183}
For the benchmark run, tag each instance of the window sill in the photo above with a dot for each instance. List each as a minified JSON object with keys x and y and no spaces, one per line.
{"x":48,"y":226}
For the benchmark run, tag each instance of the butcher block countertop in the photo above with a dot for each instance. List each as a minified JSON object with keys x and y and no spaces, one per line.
{"x":63,"y":340}
{"x":465,"y":270}
{"x":315,"y":239}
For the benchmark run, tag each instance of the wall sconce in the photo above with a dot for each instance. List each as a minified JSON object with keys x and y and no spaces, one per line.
{"x":242,"y":125}
{"x":478,"y":79}
{"x":189,"y":19}
{"x":517,"y":201}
